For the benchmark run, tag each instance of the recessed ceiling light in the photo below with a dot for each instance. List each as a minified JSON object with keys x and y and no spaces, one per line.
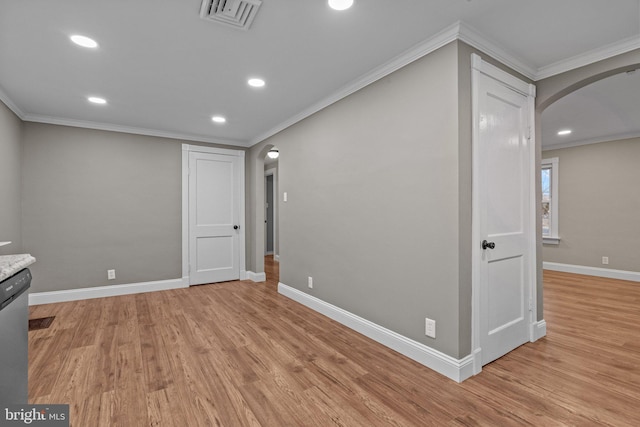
{"x":340,"y":4}
{"x":97,"y":100}
{"x":564,"y":132}
{"x":84,"y":41}
{"x":255,"y":82}
{"x":218,"y":119}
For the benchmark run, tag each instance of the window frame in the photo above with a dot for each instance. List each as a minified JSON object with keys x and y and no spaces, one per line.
{"x":553,"y":165}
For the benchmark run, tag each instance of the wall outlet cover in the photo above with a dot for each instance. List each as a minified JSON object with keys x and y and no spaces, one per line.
{"x":430,"y":327}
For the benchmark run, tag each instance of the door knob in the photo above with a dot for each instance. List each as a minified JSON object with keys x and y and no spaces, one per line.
{"x":488,"y":245}
{"x":235,"y":227}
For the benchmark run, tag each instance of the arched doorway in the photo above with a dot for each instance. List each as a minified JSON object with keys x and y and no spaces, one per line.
{"x":265,"y":222}
{"x":555,"y":88}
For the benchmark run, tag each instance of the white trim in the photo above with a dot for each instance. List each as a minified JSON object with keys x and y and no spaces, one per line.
{"x":455,"y":369}
{"x":553,"y":164}
{"x":419,"y":50}
{"x":538,"y":330}
{"x":608,"y":273}
{"x":105,"y":291}
{"x":598,"y":140}
{"x":4,"y":243}
{"x":276,"y":258}
{"x":130,"y":129}
{"x":256,"y":277}
{"x":477,"y":63}
{"x":473,"y":38}
{"x":550,"y":240}
{"x":458,"y":31}
{"x":533,"y":217}
{"x":10,"y":104}
{"x":595,"y":55}
{"x":186,"y":149}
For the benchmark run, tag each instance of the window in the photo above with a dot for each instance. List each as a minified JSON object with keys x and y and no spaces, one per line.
{"x":550,"y":201}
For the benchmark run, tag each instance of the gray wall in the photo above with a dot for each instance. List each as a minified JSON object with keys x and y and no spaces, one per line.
{"x":599,"y":205}
{"x":373,"y":210}
{"x":96,"y":200}
{"x":10,"y":179}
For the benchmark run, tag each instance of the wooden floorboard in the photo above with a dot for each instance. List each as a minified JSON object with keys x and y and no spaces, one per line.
{"x":240,"y":354}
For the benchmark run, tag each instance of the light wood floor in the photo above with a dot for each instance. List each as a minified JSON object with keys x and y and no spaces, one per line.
{"x":239,"y":354}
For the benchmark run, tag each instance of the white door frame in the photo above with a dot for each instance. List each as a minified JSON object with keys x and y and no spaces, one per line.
{"x":274,"y":173}
{"x":186,"y":149}
{"x":478,"y":67}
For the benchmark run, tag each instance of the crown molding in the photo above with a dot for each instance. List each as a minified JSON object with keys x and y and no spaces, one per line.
{"x":609,"y":138}
{"x":10,"y":104}
{"x":473,"y":38}
{"x":130,"y":129}
{"x":609,"y":51}
{"x":419,"y":50}
{"x":457,"y":31}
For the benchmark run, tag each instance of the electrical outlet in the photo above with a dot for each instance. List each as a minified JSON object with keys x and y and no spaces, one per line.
{"x":111,"y":274}
{"x":605,"y":260}
{"x":310,"y":282}
{"x":430,"y":327}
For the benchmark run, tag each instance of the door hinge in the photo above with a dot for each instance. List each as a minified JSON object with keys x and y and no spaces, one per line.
{"x":530,"y":304}
{"x":529,"y":133}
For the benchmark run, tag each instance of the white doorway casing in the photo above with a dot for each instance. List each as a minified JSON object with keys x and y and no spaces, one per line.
{"x":504,"y":213}
{"x":234,"y":193}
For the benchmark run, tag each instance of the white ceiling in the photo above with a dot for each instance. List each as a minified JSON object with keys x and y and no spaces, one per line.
{"x":165,"y":71}
{"x":602,"y":111}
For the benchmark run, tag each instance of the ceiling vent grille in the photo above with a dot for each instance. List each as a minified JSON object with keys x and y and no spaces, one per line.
{"x":236,"y":13}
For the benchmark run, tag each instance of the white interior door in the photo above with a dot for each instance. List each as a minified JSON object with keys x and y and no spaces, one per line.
{"x":214,"y":217}
{"x":503,"y":200}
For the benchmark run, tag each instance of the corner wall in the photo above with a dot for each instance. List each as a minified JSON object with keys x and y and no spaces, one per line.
{"x":10,"y":181}
{"x":372,"y":210}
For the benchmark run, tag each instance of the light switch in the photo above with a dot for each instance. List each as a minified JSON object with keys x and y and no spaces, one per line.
{"x":285,"y":196}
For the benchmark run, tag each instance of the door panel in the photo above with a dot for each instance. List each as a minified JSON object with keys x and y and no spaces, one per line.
{"x":213,"y":213}
{"x":505,"y":285}
{"x":504,"y":174}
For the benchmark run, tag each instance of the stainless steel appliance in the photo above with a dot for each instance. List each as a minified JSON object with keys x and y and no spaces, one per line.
{"x":14,"y":329}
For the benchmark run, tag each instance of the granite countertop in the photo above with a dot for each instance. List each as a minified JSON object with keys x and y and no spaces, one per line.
{"x":11,"y":264}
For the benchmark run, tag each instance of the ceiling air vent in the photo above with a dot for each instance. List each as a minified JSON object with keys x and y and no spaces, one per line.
{"x":236,"y":13}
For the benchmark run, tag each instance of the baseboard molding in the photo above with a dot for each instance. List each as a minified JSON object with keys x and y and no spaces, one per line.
{"x":256,"y":277}
{"x":38,"y":298}
{"x":593,"y":271}
{"x":538,"y":330}
{"x":455,"y":369}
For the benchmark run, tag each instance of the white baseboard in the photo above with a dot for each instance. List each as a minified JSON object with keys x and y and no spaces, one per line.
{"x":456,"y":369}
{"x":538,"y":330}
{"x":256,"y":277}
{"x":633,"y":276}
{"x":105,"y":291}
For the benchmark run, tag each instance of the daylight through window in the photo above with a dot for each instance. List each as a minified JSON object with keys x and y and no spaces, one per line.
{"x":549,"y":176}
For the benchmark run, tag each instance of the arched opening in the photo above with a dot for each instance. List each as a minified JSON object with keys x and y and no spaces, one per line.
{"x":265,"y":216}
{"x":589,"y":137}
{"x":271,"y":223}
{"x":552,"y":89}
